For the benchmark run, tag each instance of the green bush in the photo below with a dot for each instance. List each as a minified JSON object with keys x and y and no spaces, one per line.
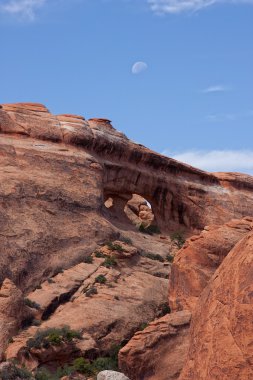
{"x":91,"y":291}
{"x":178,"y":239}
{"x":164,"y":310}
{"x":52,"y":337}
{"x":13,"y":372}
{"x":126,"y":240}
{"x":88,"y":260}
{"x":99,"y":254}
{"x":50,"y":281}
{"x":170,"y":258}
{"x":153,"y":256}
{"x":32,"y":304}
{"x":83,"y":366}
{"x":110,"y":262}
{"x":101,"y":279}
{"x":114,"y":247}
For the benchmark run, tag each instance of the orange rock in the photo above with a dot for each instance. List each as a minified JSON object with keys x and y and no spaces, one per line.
{"x":159,"y":351}
{"x":197,"y":261}
{"x":221,"y":332}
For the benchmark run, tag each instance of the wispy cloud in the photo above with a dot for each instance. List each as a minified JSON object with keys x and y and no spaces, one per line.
{"x":179,"y":6}
{"x":23,"y":8}
{"x":216,"y":88}
{"x":217,"y":160}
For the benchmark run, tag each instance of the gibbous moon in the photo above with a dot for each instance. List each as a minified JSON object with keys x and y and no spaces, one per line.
{"x":139,"y":67}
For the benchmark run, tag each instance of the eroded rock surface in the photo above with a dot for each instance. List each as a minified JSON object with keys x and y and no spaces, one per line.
{"x":221,"y":332}
{"x":159,"y":351}
{"x":199,"y":258}
{"x":106,"y":300}
{"x":13,"y":312}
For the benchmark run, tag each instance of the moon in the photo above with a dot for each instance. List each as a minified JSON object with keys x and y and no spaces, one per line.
{"x":139,"y":67}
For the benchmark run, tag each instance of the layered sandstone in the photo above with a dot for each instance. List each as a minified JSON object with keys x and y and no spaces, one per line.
{"x":159,"y":351}
{"x":106,"y":301}
{"x":221,"y":340}
{"x":197,"y":261}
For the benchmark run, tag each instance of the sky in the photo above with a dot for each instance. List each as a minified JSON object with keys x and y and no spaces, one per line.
{"x":173,"y":75}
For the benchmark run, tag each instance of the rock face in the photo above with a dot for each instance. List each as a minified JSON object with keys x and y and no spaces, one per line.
{"x":221,"y":341}
{"x":57,"y":175}
{"x":12,"y":312}
{"x":106,"y":300}
{"x":159,"y":351}
{"x":199,"y":258}
{"x":178,"y":193}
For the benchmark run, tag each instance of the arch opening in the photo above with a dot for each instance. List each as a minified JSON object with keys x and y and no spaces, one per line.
{"x":133,"y":210}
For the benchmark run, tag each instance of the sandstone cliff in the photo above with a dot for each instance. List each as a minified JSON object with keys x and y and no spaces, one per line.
{"x":73,"y":195}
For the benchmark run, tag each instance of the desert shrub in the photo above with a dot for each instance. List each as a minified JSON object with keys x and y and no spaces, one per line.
{"x":114,"y":247}
{"x":13,"y":372}
{"x":143,"y":326}
{"x":110,"y":262}
{"x":32,"y":304}
{"x":153,"y":256}
{"x":36,"y":322}
{"x":88,"y":260}
{"x":164,"y":309}
{"x":101,"y":279}
{"x":126,"y":240}
{"x":104,"y":363}
{"x":170,"y":258}
{"x":52,"y":337}
{"x":50,"y":281}
{"x":178,"y":239}
{"x":83,"y":366}
{"x":43,"y":374}
{"x":150,"y":230}
{"x":91,"y":291}
{"x":99,"y":254}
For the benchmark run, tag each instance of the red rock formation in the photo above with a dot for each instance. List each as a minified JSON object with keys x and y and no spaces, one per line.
{"x":177,"y":192}
{"x":12,"y":313}
{"x":221,"y":332}
{"x":159,"y":351}
{"x":199,"y":258}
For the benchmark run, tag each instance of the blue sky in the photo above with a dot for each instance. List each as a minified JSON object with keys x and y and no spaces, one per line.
{"x":190,"y":95}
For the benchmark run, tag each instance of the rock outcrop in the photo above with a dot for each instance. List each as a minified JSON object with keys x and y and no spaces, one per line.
{"x":159,"y":351}
{"x":198,"y":260}
{"x":13,"y":312}
{"x":82,"y":264}
{"x":221,"y":340}
{"x":106,"y":299}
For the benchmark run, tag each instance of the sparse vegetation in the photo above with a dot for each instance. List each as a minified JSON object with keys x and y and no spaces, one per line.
{"x":143,"y":326}
{"x":101,"y":279}
{"x":126,"y":240}
{"x":50,"y":281}
{"x":91,"y":291}
{"x":114,"y":247}
{"x":150,"y":230}
{"x":88,"y":260}
{"x":32,"y":304}
{"x":153,"y":256}
{"x":170,"y":258}
{"x":110,"y":262}
{"x":12,"y":372}
{"x":99,"y":254}
{"x":52,"y":337}
{"x":178,"y":239}
{"x":164,"y":310}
